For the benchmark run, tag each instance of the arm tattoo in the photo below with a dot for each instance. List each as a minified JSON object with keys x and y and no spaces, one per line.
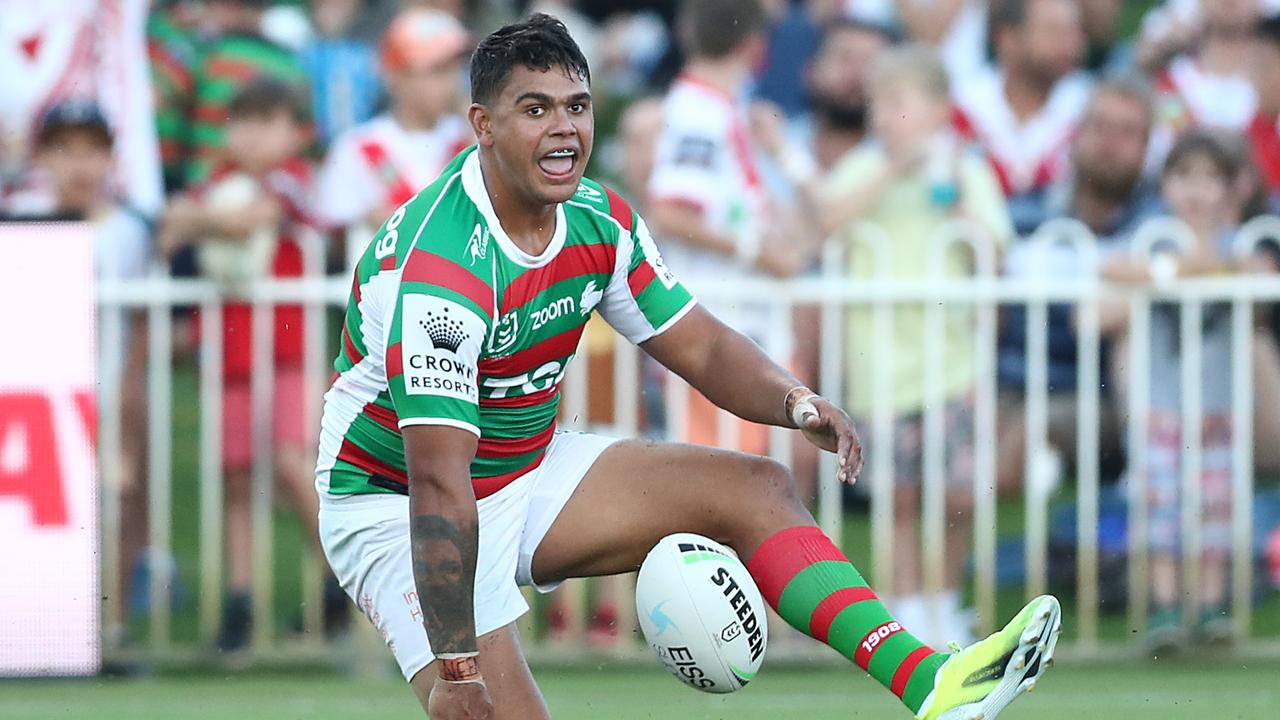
{"x":444,"y":570}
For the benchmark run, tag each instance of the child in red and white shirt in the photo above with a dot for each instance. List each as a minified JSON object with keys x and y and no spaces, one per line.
{"x":1264,"y":130}
{"x":377,"y":166}
{"x":246,"y":221}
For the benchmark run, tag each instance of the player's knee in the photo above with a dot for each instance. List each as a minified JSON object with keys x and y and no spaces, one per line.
{"x":771,"y":479}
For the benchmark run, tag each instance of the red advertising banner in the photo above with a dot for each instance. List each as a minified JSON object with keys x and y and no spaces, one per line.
{"x":49,"y":586}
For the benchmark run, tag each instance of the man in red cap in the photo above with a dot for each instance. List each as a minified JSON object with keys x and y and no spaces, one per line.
{"x":377,"y":166}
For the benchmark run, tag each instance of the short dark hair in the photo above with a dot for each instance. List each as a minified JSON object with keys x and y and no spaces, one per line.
{"x":1268,"y":29}
{"x":540,"y":42}
{"x":715,"y":28}
{"x":73,"y":116}
{"x":266,"y":95}
{"x":848,"y":23}
{"x":1228,"y":159}
{"x":1131,"y":85}
{"x":1006,"y":14}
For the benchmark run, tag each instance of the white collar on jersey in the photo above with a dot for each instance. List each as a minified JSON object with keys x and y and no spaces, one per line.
{"x":473,"y":185}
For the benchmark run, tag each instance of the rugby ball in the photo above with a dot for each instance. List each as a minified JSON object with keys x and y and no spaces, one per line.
{"x":236,"y":263}
{"x":701,"y":613}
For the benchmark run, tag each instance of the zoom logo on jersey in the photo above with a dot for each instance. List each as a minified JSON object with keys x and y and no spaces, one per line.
{"x":440,"y":346}
{"x":553,"y":311}
{"x":738,"y":601}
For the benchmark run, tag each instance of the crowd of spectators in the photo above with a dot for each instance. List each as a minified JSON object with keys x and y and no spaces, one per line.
{"x":748,"y":132}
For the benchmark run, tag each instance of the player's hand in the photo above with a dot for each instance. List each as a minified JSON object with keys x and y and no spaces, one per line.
{"x":830,"y":428}
{"x":459,"y":701}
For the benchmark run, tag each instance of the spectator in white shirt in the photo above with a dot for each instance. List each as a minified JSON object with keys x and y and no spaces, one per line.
{"x":377,"y":166}
{"x":707,"y":196}
{"x":1203,"y":71}
{"x":1024,"y":108}
{"x":73,"y":159}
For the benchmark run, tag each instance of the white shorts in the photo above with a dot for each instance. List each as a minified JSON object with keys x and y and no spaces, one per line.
{"x":366,"y":539}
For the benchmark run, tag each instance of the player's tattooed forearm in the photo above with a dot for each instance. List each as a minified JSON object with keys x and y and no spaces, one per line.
{"x":444,"y":568}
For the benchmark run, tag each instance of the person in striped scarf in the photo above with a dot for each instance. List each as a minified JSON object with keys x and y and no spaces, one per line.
{"x":235,"y":55}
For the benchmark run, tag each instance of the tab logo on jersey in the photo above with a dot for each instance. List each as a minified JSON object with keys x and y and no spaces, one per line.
{"x":440,"y":343}
{"x":543,"y":378}
{"x":478,"y":244}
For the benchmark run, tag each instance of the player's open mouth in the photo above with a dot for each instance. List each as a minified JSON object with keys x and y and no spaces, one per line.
{"x":559,"y":164}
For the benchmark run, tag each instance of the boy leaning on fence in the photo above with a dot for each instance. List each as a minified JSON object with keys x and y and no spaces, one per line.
{"x":1202,"y":187}
{"x":247,"y":221}
{"x":909,"y":180}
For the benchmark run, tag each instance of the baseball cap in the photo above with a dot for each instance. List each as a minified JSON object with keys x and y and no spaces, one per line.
{"x":423,"y":37}
{"x":73,"y":114}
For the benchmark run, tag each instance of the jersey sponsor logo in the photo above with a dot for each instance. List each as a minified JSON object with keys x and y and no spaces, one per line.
{"x":507,"y":330}
{"x":654,"y":258}
{"x":440,"y":342}
{"x":589,"y":193}
{"x":591,"y":296}
{"x":695,"y":151}
{"x":544,"y":377}
{"x":554,"y":310}
{"x":478,"y":244}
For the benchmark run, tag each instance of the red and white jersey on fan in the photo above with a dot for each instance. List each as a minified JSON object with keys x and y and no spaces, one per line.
{"x":704,"y":159}
{"x":56,"y":50}
{"x":1026,"y":154}
{"x":1190,"y":95}
{"x":380,"y":165}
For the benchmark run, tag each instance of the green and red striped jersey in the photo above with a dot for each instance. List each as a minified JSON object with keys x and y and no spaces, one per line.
{"x":172,"y":50}
{"x":450,"y":323}
{"x":226,"y":64}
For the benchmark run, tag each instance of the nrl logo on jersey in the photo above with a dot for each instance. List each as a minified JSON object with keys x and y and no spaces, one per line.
{"x":478,"y":244}
{"x":505,"y":333}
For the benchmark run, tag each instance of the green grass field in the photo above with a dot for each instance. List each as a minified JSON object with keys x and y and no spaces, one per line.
{"x":1159,"y":691}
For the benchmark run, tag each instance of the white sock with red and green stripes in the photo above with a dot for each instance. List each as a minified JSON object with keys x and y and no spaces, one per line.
{"x":815,"y":588}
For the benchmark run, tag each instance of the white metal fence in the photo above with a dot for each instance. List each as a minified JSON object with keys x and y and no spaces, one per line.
{"x":986,"y":292}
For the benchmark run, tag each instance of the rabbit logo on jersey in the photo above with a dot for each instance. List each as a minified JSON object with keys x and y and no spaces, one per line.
{"x":440,"y":346}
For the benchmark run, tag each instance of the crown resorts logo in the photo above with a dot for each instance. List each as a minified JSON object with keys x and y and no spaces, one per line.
{"x":445,"y":332}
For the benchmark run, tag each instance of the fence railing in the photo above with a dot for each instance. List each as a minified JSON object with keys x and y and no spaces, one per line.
{"x":831,"y":294}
